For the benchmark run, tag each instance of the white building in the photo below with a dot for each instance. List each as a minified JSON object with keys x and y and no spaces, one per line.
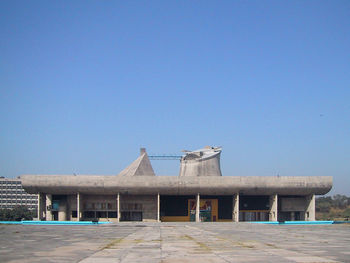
{"x":12,"y":194}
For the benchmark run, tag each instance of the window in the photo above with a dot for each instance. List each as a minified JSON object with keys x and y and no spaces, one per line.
{"x":89,"y":214}
{"x":131,"y":216}
{"x":112,"y":214}
{"x":74,"y":214}
{"x":131,"y":207}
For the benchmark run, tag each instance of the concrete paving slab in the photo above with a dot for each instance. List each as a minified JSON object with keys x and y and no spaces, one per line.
{"x":175,"y":242}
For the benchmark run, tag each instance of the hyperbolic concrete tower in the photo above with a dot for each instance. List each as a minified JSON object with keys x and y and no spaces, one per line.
{"x":202,"y":162}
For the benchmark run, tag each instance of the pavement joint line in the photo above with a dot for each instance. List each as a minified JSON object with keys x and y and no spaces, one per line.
{"x":102,"y":248}
{"x":176,"y":242}
{"x":242,"y":244}
{"x":216,"y":236}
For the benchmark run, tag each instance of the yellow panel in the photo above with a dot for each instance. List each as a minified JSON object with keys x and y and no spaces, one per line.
{"x":225,"y":220}
{"x":192,"y":205}
{"x":175,"y":218}
{"x":214,"y":211}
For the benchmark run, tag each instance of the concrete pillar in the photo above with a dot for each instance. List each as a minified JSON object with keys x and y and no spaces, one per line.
{"x":48,"y":207}
{"x":118,"y":207}
{"x":79,"y":207}
{"x":62,"y":212}
{"x":158,"y":207}
{"x":235,"y":208}
{"x":198,"y":207}
{"x":310,"y":208}
{"x":38,"y":212}
{"x":273,"y":207}
{"x":41,"y":206}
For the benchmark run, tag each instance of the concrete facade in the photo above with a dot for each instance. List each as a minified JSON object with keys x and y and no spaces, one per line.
{"x":310,"y":213}
{"x":146,"y":204}
{"x":12,"y":194}
{"x":135,"y":194}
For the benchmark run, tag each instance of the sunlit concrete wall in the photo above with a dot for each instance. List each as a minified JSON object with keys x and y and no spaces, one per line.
{"x":203,"y":162}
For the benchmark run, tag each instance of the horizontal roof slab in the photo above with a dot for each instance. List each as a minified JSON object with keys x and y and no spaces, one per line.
{"x":175,"y":185}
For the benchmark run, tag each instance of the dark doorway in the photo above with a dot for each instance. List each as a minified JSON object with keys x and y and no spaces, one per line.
{"x":55,"y":215}
{"x":174,"y":205}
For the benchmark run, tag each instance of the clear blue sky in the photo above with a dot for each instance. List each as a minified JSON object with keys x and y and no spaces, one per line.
{"x":85,"y":84}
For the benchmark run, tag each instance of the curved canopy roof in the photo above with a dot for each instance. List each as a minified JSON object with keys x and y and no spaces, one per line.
{"x":176,"y":185}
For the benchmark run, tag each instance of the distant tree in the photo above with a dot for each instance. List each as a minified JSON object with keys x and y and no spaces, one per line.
{"x":18,"y":213}
{"x":324,"y":204}
{"x":335,"y":207}
{"x":340,"y":201}
{"x":347,"y":213}
{"x":5,"y":215}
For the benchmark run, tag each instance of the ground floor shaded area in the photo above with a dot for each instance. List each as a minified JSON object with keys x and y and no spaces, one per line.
{"x":175,"y":242}
{"x":175,"y":208}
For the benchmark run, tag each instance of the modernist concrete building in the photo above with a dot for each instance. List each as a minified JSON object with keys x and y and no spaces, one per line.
{"x":12,"y":194}
{"x":199,"y":193}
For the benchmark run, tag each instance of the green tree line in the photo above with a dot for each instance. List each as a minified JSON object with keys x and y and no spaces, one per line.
{"x":18,"y":213}
{"x":333,"y":207}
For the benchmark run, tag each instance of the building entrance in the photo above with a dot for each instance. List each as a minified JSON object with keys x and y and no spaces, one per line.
{"x":213,"y":208}
{"x":55,"y":215}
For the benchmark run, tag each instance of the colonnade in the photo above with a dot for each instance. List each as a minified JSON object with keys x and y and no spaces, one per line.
{"x":273,"y":208}
{"x":45,"y":207}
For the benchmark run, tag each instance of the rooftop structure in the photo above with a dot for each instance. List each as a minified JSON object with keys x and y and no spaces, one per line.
{"x":141,"y":166}
{"x":202,"y":162}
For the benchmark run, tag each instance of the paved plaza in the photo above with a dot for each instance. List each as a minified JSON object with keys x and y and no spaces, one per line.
{"x":175,"y":242}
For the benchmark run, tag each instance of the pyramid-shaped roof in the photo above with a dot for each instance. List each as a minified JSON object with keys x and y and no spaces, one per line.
{"x":141,"y":166}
